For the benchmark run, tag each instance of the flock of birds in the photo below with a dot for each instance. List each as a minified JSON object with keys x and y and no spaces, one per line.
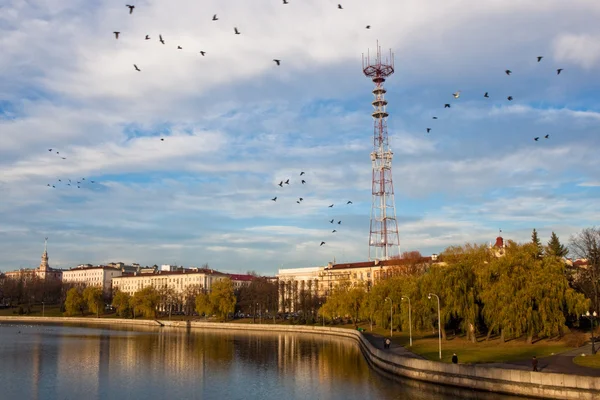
{"x":456,"y":95}
{"x":486,"y":95}
{"x":68,"y":182}
{"x":301,"y":199}
{"x":236,"y":31}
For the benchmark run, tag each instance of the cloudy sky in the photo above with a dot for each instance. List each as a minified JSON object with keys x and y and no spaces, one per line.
{"x":235,"y":124}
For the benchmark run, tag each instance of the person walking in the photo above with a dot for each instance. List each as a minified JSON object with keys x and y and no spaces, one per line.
{"x":387,"y":343}
{"x":454,"y":359}
{"x":534,"y":363}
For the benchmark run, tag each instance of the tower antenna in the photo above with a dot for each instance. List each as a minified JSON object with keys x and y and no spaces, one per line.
{"x":384,"y":240}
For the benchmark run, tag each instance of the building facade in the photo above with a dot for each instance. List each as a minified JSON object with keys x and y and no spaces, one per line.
{"x":318,"y":282}
{"x":100,"y":276}
{"x":178,"y":281}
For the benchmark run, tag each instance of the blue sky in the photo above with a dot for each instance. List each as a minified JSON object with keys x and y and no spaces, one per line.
{"x":235,"y":124}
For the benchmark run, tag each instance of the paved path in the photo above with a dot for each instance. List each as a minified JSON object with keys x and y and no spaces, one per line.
{"x":560,"y":363}
{"x":377,"y":341}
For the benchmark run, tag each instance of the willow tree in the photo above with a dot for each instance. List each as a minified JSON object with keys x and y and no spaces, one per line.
{"x":93,"y":297}
{"x":526,"y":295}
{"x":222,"y":297}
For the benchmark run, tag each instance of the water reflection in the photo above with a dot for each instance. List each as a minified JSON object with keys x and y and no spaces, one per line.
{"x":74,"y":362}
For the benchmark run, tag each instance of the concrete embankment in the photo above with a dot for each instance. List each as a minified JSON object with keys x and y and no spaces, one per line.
{"x":509,"y":381}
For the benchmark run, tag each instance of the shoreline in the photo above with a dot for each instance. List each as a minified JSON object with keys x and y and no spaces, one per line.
{"x":477,"y":377}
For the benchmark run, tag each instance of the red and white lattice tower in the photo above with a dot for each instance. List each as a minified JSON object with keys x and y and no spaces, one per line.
{"x":384,"y":240}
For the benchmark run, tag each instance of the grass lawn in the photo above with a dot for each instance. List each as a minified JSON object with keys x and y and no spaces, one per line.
{"x":588,"y":361}
{"x":467,"y":352}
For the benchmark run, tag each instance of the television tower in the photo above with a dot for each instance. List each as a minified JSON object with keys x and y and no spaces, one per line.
{"x":384,"y":241}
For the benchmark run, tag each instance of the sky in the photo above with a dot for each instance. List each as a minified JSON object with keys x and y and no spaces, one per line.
{"x":235,"y":124}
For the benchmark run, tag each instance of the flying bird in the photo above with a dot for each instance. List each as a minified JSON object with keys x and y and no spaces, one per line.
{"x":136,"y":67}
{"x":339,"y":222}
{"x":203,"y":53}
{"x":349,"y":202}
{"x":116,"y":34}
{"x":130,"y":8}
{"x":340,"y":6}
{"x":303,"y":181}
{"x":331,"y":221}
{"x":558,"y":71}
{"x":162,"y":139}
{"x":333,"y":231}
{"x":236,"y":31}
{"x":446,"y":105}
{"x":456,"y":94}
{"x":301,"y":173}
{"x":509,"y":98}
{"x":278,"y":62}
{"x":300,"y":198}
{"x":161,"y":39}
{"x":281,"y":184}
{"x":331,"y":206}
{"x":287,"y":182}
{"x":368,"y":27}
{"x":147,"y":37}
{"x":49,"y":149}
{"x":285,"y":2}
{"x":540,"y":58}
{"x":508,"y":72}
{"x":274,"y":198}
{"x":179,"y":48}
{"x":428,"y":130}
{"x":435,"y":118}
{"x":536,"y":138}
{"x":547,"y":136}
{"x":322,"y":243}
{"x":486,"y":95}
{"x":215,"y":18}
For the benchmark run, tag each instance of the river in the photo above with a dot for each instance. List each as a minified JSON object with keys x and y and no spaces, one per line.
{"x":98,"y":362}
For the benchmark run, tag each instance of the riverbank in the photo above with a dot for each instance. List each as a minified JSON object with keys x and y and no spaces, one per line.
{"x":479,"y":377}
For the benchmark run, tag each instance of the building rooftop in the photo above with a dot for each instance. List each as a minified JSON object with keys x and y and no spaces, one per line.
{"x":382,"y":263}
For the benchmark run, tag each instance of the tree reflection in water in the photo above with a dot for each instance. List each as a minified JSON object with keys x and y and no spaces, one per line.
{"x":53,"y":361}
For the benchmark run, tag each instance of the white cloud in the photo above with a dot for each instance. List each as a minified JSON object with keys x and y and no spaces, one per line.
{"x":235,"y":124}
{"x":579,"y":49}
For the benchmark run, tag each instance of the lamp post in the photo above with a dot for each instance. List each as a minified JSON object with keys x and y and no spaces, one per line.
{"x":43,"y":310}
{"x":409,"y":321}
{"x":439,"y":321}
{"x":391,"y":316}
{"x":591,"y":317}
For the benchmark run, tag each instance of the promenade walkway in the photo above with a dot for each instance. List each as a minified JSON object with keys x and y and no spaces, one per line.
{"x":560,"y":363}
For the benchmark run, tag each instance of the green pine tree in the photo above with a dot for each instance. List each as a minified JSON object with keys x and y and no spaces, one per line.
{"x":555,"y":248}
{"x":536,"y":241}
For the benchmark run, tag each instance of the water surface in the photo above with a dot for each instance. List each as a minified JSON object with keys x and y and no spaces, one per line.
{"x":76,"y":362}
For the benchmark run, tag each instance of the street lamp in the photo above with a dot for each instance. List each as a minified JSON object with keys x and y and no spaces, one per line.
{"x":409,"y":320}
{"x":391,"y":316}
{"x":439,"y":321}
{"x":591,"y":317}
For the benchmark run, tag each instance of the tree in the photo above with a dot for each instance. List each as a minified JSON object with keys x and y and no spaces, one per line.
{"x":555,"y":248}
{"x":586,"y":245}
{"x":222,"y":297}
{"x":93,"y":297}
{"x":536,"y":242}
{"x":145,"y":302}
{"x":121,"y":302}
{"x":203,"y":305}
{"x":74,"y":302}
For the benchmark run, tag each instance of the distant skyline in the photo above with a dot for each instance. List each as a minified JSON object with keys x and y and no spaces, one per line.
{"x":235,"y":124}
